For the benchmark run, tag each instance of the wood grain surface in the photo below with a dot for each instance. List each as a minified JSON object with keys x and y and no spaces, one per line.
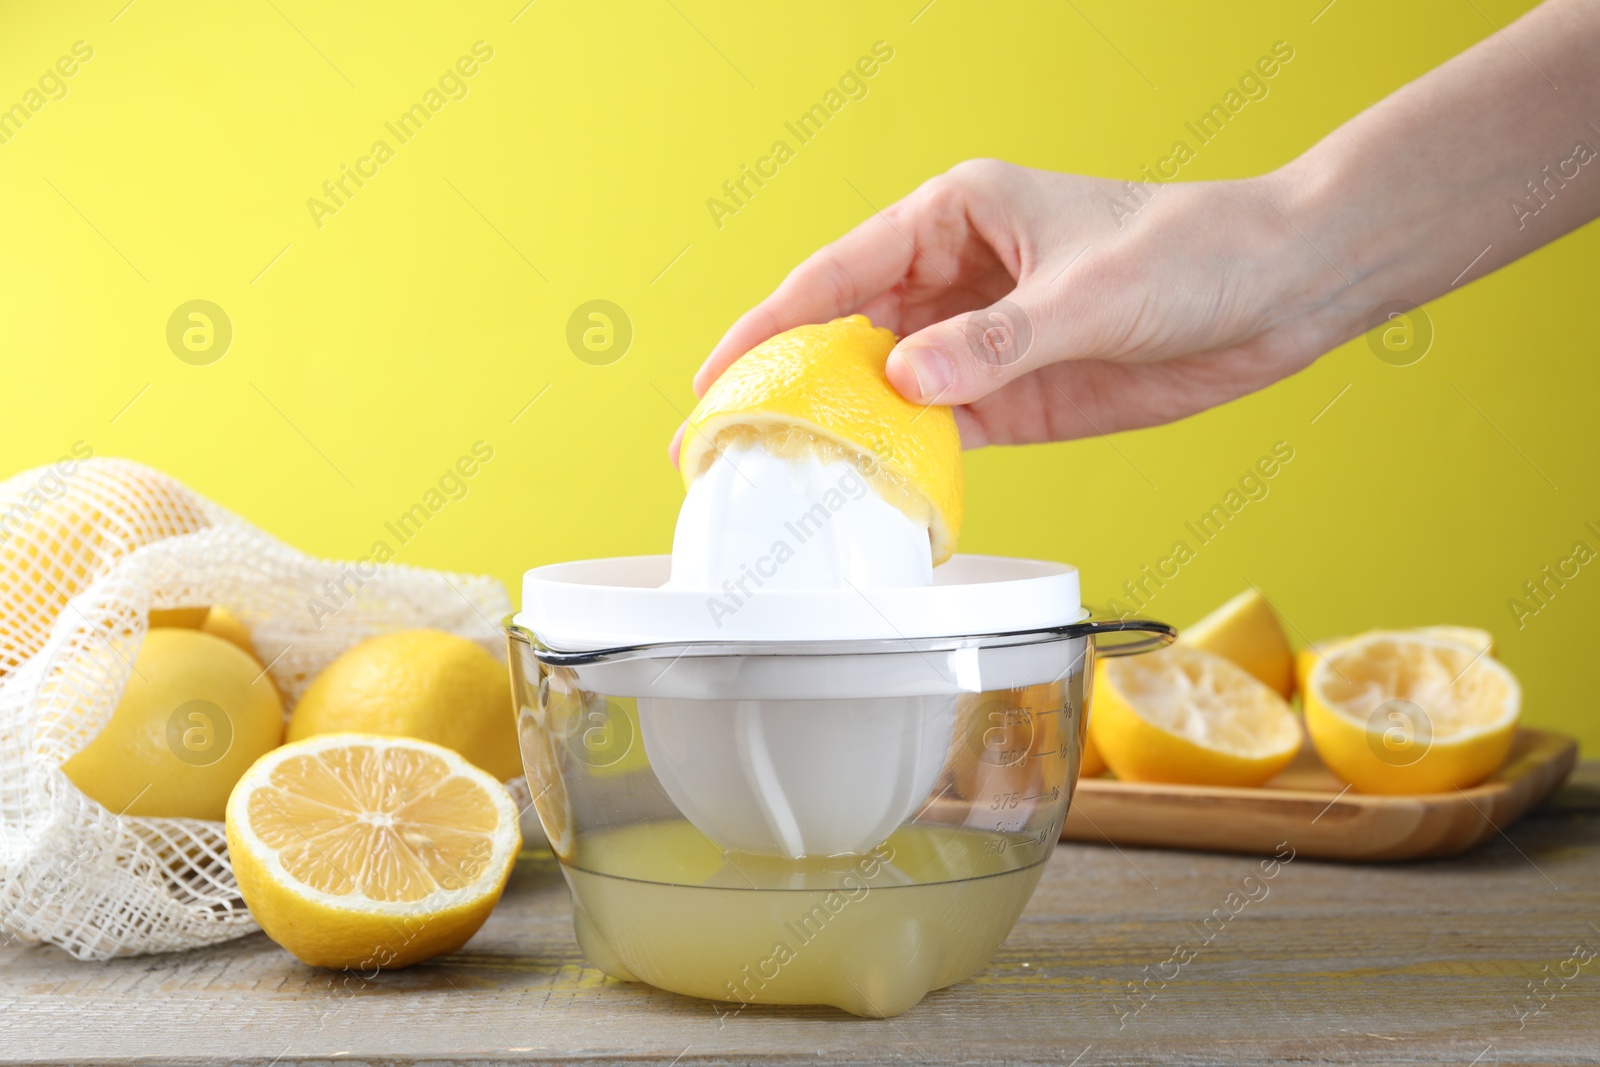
{"x":1324,"y":816}
{"x":1120,"y":958}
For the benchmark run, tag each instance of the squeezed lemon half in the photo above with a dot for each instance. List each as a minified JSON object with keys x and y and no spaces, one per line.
{"x":1468,"y":636}
{"x":1189,"y":716}
{"x":1410,"y":712}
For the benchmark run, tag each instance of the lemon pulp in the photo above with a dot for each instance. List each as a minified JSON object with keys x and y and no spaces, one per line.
{"x":355,"y":850}
{"x":1189,"y":716}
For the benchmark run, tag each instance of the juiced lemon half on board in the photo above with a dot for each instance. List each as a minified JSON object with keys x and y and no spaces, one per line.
{"x":1469,"y":636}
{"x":1410,"y":712}
{"x":1189,"y":716}
{"x":355,"y":850}
{"x":1474,"y":638}
{"x":821,"y":390}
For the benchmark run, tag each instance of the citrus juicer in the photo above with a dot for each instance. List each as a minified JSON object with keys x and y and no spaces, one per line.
{"x":825,"y":796}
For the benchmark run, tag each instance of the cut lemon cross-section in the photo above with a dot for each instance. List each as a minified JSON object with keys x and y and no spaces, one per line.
{"x":1410,"y":712}
{"x":360,"y":851}
{"x":1186,"y":715}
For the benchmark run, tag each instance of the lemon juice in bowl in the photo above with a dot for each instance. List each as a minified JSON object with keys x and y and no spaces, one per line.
{"x":871,"y":933}
{"x":857,"y":747}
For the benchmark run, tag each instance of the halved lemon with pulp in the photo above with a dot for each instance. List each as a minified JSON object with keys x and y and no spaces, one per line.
{"x":355,"y":850}
{"x":1186,"y":715}
{"x":1411,"y":712}
{"x":821,"y":390}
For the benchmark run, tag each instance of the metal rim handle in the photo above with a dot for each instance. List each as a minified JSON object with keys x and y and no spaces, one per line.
{"x":1156,"y":635}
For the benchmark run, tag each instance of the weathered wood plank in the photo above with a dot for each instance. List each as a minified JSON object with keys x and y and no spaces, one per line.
{"x":1421,"y":962}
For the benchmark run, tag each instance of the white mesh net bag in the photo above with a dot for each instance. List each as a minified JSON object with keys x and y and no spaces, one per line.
{"x":87,"y":549}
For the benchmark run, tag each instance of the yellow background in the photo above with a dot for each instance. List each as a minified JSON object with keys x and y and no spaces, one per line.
{"x":377,"y":349}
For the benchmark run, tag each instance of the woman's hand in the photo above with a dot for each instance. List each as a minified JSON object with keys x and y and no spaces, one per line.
{"x":1041,"y":310}
{"x":1045,"y":306}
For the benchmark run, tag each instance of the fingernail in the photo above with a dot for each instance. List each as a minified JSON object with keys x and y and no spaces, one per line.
{"x":932,"y":370}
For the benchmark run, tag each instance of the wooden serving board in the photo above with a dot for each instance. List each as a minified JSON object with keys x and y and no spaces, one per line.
{"x":1317,"y":814}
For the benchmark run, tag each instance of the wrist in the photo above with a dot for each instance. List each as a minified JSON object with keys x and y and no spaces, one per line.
{"x":1280,"y":224}
{"x":1342,"y":254}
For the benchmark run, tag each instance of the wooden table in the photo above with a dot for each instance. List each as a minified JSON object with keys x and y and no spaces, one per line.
{"x":1426,"y":962}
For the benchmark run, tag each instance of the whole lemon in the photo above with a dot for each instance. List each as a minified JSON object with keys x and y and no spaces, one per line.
{"x":55,"y":549}
{"x":215,"y":620}
{"x":195,"y":714}
{"x":220,"y":622}
{"x":426,"y":684}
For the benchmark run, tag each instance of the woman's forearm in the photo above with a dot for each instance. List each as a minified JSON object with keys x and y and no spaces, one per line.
{"x":1468,"y":168}
{"x":1039,"y":314}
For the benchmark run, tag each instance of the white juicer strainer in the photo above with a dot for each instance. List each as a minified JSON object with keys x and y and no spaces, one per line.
{"x":772,"y":755}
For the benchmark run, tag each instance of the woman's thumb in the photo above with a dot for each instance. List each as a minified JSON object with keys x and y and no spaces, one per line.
{"x":966,"y":357}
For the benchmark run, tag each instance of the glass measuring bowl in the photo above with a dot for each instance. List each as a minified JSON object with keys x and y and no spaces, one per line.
{"x":962,"y":751}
